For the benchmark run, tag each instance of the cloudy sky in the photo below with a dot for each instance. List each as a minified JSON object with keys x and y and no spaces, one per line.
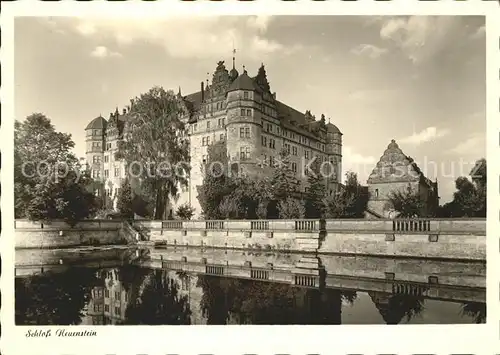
{"x":419,"y":80}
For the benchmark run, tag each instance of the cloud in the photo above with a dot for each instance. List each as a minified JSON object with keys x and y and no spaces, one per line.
{"x":479,"y":33}
{"x":420,"y":37}
{"x":369,"y":50}
{"x":103,"y":52}
{"x":358,"y":163}
{"x":202,"y":37}
{"x":259,"y":22}
{"x":426,"y":135}
{"x":474,"y":145}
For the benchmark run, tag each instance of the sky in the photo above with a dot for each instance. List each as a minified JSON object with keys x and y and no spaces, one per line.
{"x":417,"y":79}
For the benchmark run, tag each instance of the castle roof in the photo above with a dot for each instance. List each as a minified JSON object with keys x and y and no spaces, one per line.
{"x":244,"y":82}
{"x":97,"y":123}
{"x":394,"y":165}
{"x":330,"y":127}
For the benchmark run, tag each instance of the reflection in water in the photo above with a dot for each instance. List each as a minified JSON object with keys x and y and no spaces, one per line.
{"x":137,"y":295}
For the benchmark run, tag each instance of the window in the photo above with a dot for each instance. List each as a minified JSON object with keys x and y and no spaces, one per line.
{"x":265,"y":159}
{"x":106,"y":173}
{"x":116,"y":191}
{"x":222,"y":136}
{"x":219,"y":122}
{"x":208,"y":140}
{"x":271,"y":161}
{"x":264,"y":141}
{"x":106,"y":158}
{"x":243,"y":112}
{"x":244,"y":153}
{"x":106,"y":293}
{"x":96,"y":173}
{"x":306,"y":154}
{"x":223,"y":122}
{"x":249,"y":112}
{"x":306,"y":189}
{"x":247,"y":132}
{"x":245,"y":94}
{"x":96,"y":132}
{"x":195,"y":127}
{"x":96,"y":159}
{"x":376,"y":192}
{"x":294,"y":167}
{"x":117,"y":172}
{"x":117,"y":310}
{"x":205,"y":141}
{"x":287,"y":148}
{"x":242,"y":132}
{"x":106,"y":308}
{"x":272,"y":143}
{"x":117,"y":294}
{"x":208,"y":124}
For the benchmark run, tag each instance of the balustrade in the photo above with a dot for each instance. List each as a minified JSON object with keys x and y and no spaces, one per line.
{"x":305,"y":225}
{"x":409,"y":225}
{"x":171,"y":224}
{"x":259,"y":225}
{"x":214,"y":225}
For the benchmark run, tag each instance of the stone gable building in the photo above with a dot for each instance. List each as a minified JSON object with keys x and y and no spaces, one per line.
{"x":396,"y":171}
{"x":243,"y":112}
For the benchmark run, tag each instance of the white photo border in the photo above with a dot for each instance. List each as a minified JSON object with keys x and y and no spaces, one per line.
{"x":184,"y":340}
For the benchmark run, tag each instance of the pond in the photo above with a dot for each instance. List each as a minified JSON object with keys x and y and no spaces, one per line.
{"x":192,"y":286}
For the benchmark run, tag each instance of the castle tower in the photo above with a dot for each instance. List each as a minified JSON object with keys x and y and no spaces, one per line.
{"x":334,"y":151}
{"x":243,"y":124}
{"x":95,"y":135}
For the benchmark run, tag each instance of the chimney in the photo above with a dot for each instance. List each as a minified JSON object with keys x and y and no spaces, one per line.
{"x":202,"y":92}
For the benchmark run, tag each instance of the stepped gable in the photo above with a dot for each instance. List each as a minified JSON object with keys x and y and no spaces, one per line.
{"x":395,"y":166}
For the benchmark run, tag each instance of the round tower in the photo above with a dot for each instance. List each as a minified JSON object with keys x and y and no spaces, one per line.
{"x":243,"y":124}
{"x":334,"y":148}
{"x":95,"y":134}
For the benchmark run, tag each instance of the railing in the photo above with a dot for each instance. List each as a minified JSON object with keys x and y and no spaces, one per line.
{"x":259,"y":225}
{"x":214,"y":270}
{"x":214,"y":225}
{"x":303,"y":280}
{"x":259,"y":274}
{"x":306,"y":225}
{"x":171,"y":224}
{"x":402,"y":225}
{"x":409,"y":289}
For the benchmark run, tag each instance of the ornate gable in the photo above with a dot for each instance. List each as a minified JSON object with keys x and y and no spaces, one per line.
{"x":394,"y":166}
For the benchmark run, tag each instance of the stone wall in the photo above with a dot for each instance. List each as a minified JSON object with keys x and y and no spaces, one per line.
{"x":59,"y":234}
{"x":423,"y":238}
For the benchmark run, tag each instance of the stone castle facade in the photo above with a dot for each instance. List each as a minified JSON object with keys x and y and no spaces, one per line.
{"x":243,"y":112}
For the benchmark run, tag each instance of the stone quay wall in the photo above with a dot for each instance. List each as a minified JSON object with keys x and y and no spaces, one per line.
{"x":58,"y":234}
{"x":462,"y":239}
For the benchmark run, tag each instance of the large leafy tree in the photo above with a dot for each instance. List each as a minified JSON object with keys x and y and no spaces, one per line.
{"x":315,"y":208}
{"x":156,"y":148}
{"x":284,"y":182}
{"x":407,"y":202}
{"x":349,"y":202}
{"x":50,"y":182}
{"x":470,"y":198}
{"x":217,"y":182}
{"x":124,"y":200}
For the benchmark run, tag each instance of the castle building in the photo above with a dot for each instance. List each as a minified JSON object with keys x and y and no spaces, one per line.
{"x":243,"y":112}
{"x":396,"y":171}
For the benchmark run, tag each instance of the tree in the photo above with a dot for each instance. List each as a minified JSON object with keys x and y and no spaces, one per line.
{"x":407,"y":202}
{"x":291,"y":208}
{"x":156,"y":148}
{"x":185,"y":211}
{"x":124,"y":200}
{"x":50,"y":183}
{"x":315,"y":208}
{"x":284,"y":183}
{"x":349,"y":202}
{"x":230,"y":208}
{"x":470,"y":198}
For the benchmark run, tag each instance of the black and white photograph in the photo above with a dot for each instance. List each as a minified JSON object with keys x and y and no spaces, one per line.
{"x":249,"y":170}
